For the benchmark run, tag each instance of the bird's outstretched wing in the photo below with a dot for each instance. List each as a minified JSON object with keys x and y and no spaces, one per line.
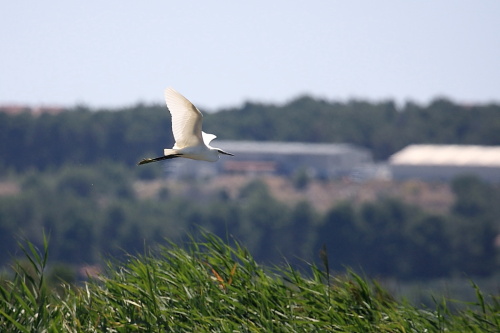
{"x":186,"y":120}
{"x":207,"y":138}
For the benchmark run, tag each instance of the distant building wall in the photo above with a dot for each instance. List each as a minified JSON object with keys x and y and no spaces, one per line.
{"x":282,"y":158}
{"x":18,"y":109}
{"x":445,"y":162}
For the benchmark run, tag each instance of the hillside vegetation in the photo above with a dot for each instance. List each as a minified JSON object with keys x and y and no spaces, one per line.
{"x":83,"y":136}
{"x":94,"y":212}
{"x":73,"y":176}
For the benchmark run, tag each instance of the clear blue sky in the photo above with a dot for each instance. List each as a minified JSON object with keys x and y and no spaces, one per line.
{"x":222,"y":53}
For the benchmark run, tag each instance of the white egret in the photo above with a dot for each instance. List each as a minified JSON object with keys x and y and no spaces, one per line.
{"x":190,"y":141}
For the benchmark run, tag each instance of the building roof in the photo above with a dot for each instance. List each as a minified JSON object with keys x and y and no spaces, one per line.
{"x":456,"y":155}
{"x":296,"y":148}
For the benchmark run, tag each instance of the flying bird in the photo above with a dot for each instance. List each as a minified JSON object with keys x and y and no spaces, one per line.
{"x":190,"y":141}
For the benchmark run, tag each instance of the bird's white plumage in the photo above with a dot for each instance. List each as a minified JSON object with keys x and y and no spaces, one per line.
{"x":207,"y":138}
{"x":190,"y":141}
{"x":186,"y":120}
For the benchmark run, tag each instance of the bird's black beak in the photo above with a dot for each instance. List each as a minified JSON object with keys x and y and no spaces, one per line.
{"x":225,"y":152}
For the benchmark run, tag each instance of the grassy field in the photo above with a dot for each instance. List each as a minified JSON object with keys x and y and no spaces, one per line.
{"x":210,"y":286}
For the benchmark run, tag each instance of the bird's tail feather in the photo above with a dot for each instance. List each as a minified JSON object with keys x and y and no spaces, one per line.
{"x":168,"y":152}
{"x":161,"y":158}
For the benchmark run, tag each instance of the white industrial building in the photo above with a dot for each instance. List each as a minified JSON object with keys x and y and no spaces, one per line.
{"x":323,"y":160}
{"x":444,"y":162}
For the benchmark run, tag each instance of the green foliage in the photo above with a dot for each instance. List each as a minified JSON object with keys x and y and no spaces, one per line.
{"x":128,"y":135}
{"x":213,"y":287}
{"x":91,"y":213}
{"x":88,"y":212}
{"x":84,"y":194}
{"x":75,"y":185}
{"x":380,"y":127}
{"x":475,"y":198}
{"x":81,"y":136}
{"x":340,"y":234}
{"x":477,"y":227}
{"x":301,"y":179}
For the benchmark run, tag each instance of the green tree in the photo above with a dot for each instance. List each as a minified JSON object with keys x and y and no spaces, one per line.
{"x":342,"y":237}
{"x":477,"y":226}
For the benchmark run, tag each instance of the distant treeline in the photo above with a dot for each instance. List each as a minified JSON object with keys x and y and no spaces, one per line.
{"x":84,"y":136}
{"x":92,"y":214}
{"x":76,"y":170}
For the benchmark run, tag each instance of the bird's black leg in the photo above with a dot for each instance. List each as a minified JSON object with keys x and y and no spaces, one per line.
{"x":161,"y":158}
